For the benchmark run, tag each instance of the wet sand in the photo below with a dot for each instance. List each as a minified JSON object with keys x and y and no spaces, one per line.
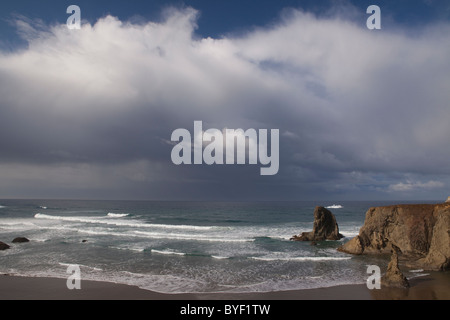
{"x":435,"y":286}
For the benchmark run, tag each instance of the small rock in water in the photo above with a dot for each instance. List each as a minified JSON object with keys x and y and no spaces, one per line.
{"x":3,"y":246}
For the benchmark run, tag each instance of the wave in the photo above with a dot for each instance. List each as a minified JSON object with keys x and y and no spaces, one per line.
{"x":16,"y":225}
{"x":152,"y":235}
{"x":268,"y":258}
{"x":79,"y":265}
{"x":195,"y":237}
{"x":219,"y":257}
{"x":2,"y":207}
{"x":417,"y":275}
{"x":137,"y":249}
{"x":168,"y":252}
{"x":117,"y":215}
{"x":349,"y":234}
{"x":335,"y":206}
{"x":123,"y":223}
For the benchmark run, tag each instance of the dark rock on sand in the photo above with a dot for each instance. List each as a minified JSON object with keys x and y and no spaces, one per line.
{"x":3,"y":246}
{"x":325,"y":227}
{"x":420,"y":231}
{"x":394,"y":277}
{"x":20,"y":240}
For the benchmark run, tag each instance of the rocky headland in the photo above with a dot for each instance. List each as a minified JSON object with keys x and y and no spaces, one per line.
{"x":421,"y":232}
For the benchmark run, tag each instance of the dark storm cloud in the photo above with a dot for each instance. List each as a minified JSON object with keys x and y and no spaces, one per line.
{"x":94,"y":109}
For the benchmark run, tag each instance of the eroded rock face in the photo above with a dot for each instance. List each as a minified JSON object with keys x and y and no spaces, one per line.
{"x":438,"y":256}
{"x":393,"y":276}
{"x":325,"y":227}
{"x":421,"y":231}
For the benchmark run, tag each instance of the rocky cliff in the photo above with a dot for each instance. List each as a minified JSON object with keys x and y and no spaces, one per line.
{"x":421,"y":232}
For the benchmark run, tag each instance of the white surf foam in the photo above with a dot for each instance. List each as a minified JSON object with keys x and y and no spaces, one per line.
{"x":123,"y":223}
{"x":126,"y":247}
{"x":153,"y":235}
{"x":220,"y":257}
{"x":196,"y":237}
{"x":335,"y":206}
{"x":168,"y":252}
{"x":272,"y":258}
{"x":348,"y":234}
{"x":117,"y":215}
{"x":80,"y":265}
{"x":171,"y":284}
{"x":17,"y":224}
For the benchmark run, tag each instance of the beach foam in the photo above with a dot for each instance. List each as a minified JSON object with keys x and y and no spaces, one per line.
{"x":80,"y":265}
{"x":316,"y":259}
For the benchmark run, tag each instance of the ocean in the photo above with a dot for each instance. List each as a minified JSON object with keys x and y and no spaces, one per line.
{"x":184,"y":247}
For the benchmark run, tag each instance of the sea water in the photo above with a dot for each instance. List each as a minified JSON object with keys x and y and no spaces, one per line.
{"x":181,"y":247}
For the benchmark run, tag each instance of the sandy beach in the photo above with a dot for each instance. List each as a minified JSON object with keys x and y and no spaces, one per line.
{"x":435,"y":286}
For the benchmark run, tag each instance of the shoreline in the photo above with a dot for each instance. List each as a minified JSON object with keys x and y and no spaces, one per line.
{"x":434,"y":286}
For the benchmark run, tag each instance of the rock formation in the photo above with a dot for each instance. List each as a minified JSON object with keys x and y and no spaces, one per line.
{"x":3,"y":246}
{"x":448,"y":199}
{"x":325,"y":227}
{"x":421,"y":232}
{"x":20,"y":240}
{"x":394,"y":277}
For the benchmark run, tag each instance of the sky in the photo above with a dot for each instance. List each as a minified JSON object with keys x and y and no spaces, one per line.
{"x":88,"y":114}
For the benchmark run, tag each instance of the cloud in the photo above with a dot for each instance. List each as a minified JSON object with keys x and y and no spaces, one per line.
{"x":410,"y":186}
{"x":346,"y":99}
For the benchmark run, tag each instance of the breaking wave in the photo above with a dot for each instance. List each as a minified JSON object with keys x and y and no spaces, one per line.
{"x":123,"y":223}
{"x":117,"y":215}
{"x":335,"y":206}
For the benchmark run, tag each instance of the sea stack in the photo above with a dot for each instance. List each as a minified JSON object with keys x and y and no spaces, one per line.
{"x":325,"y":227}
{"x":394,"y":277}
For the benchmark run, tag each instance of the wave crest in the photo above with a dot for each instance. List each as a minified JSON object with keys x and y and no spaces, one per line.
{"x":335,"y":206}
{"x":117,"y":215}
